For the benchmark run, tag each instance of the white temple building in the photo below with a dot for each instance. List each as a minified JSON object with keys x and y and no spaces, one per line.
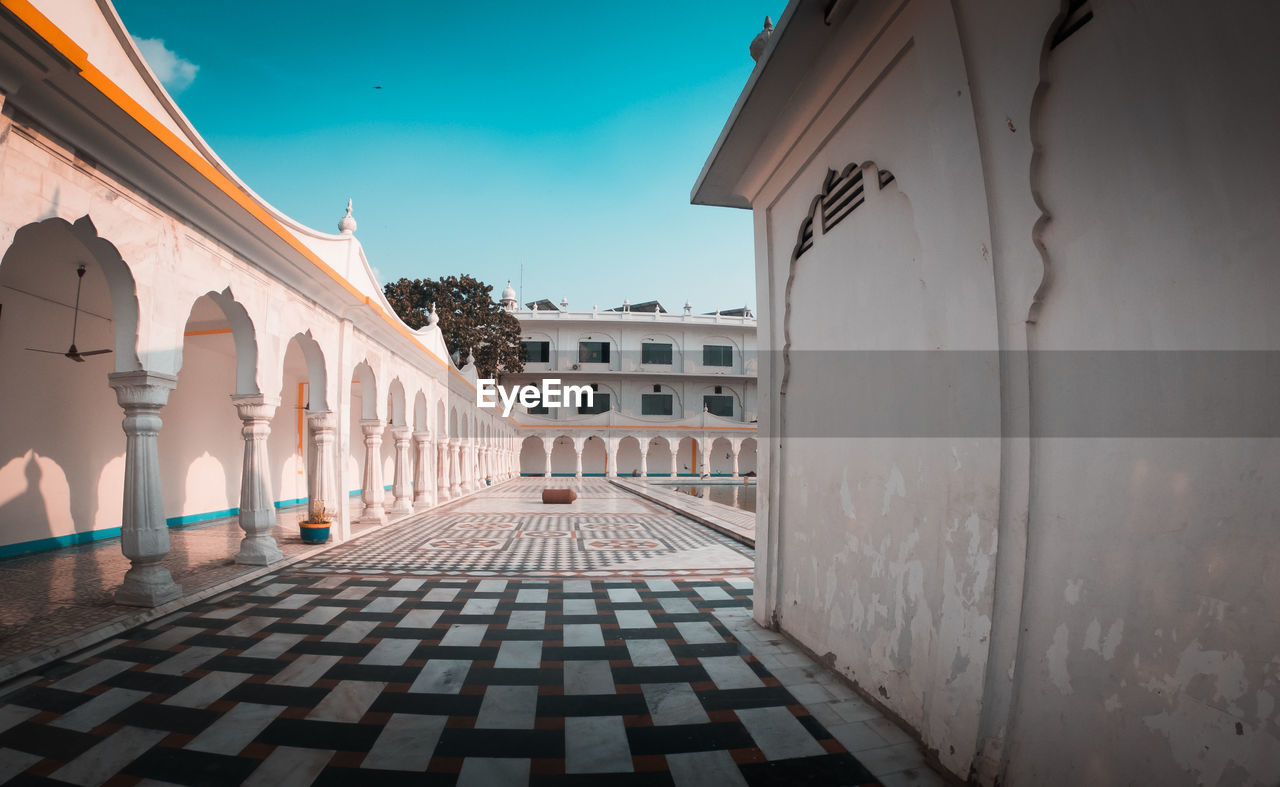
{"x":253,"y":361}
{"x":674,"y":394}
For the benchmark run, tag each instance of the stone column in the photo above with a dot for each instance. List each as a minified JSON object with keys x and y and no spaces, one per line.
{"x":144,"y":536}
{"x":734,"y":447}
{"x":644,"y":458}
{"x":578,"y":444}
{"x":372,"y":492}
{"x":257,"y":506}
{"x":611,"y":457}
{"x":323,"y":483}
{"x":455,"y":470}
{"x":442,"y":469}
{"x":675,"y":456}
{"x":421,"y":473}
{"x":548,"y":447}
{"x":400,"y":483}
{"x":704,"y":466}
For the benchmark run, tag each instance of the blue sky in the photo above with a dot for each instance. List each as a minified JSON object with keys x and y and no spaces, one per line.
{"x":564,"y":135}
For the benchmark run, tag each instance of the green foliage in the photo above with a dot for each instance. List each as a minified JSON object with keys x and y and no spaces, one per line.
{"x":470,"y":320}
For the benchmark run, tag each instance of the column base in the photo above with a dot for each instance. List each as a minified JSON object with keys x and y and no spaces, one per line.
{"x":258,"y":551}
{"x":374,"y":515}
{"x":147,"y":586}
{"x":402,"y":506}
{"x":421,"y":502}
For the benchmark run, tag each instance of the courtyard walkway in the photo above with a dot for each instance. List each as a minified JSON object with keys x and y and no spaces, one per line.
{"x":492,"y":641}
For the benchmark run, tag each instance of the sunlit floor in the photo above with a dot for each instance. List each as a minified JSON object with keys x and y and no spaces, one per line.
{"x":492,"y":641}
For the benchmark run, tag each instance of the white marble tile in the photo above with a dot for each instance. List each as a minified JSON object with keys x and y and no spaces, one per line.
{"x":705,"y":769}
{"x":624,"y":596}
{"x":105,"y":759}
{"x":295,"y":601}
{"x":464,"y":634}
{"x":712,"y":592}
{"x":273,"y":645}
{"x":406,"y":743}
{"x":305,"y":670}
{"x":274,"y":589}
{"x":677,"y":606}
{"x":384,"y":604}
{"x":419,"y":618}
{"x":13,"y":715}
{"x":650,"y":653}
{"x":441,"y":594}
{"x":531,"y":596}
{"x":97,"y":710}
{"x":318,"y":616}
{"x":577,"y":586}
{"x":519,"y":653}
{"x":408,"y":585}
{"x":855,"y":736}
{"x":247,"y":627}
{"x":493,"y":772}
{"x":491,"y":586}
{"x":348,"y":701}
{"x":588,"y":677}
{"x":14,"y":762}
{"x":508,"y":707}
{"x":661,"y":585}
{"x":697,"y":632}
{"x":730,"y":672}
{"x":351,"y":631}
{"x":391,"y":652}
{"x":583,"y":635}
{"x":634,"y":619}
{"x":289,"y":767}
{"x":917,"y":776}
{"x":778,"y":733}
{"x":184,"y":662}
{"x":225,"y":613}
{"x":535,"y":619}
{"x":580,"y":606}
{"x":441,"y":676}
{"x":891,"y":759}
{"x":673,"y":703}
{"x":329,"y":583}
{"x":235,"y":729}
{"x":354,"y":592}
{"x":94,"y":674}
{"x":596,"y":744}
{"x":170,"y":637}
{"x":742,"y":583}
{"x":208,"y":689}
{"x":480,"y":606}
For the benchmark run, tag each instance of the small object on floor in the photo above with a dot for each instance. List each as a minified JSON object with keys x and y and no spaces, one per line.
{"x":559,"y":496}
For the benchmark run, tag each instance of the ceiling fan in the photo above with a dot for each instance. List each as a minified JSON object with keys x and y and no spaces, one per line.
{"x":73,"y":353}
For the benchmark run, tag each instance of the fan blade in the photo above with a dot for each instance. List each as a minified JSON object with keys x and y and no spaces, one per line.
{"x":51,"y":352}
{"x":75,"y":357}
{"x":93,"y":352}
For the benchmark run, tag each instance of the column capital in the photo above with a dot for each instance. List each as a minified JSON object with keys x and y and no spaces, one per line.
{"x":423,"y":436}
{"x":142,"y":388}
{"x":401,"y":432}
{"x":255,"y":407}
{"x":373,"y":427}
{"x":323,"y":420}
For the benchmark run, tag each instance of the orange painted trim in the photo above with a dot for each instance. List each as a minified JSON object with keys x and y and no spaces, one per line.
{"x":66,"y":46}
{"x":207,"y":333}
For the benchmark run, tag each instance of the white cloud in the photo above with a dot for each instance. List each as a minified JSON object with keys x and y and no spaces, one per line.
{"x":173,"y":72}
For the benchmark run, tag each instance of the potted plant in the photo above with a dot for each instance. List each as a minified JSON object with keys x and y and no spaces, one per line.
{"x":315,"y":528}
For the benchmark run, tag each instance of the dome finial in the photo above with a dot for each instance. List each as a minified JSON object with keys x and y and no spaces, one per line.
{"x":762,"y":38}
{"x":433,"y":318}
{"x":347,"y":224}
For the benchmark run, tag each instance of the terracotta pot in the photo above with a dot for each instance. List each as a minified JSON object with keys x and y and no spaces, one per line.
{"x":313,"y":533}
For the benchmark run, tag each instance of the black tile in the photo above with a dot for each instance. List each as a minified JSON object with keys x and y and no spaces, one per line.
{"x":655,"y":778}
{"x":181,"y":766}
{"x":760,"y":669}
{"x":244,"y":664}
{"x":44,"y":698}
{"x":428,"y":704}
{"x":219,"y":641}
{"x":583,"y":653}
{"x":152,"y":682}
{"x":306,"y":629}
{"x":758,"y":697}
{"x":680,"y":738}
{"x":679,"y":674}
{"x":267,"y":694}
{"x":137,"y":655}
{"x":524,"y":635}
{"x":814,"y":727}
{"x":345,"y":777}
{"x":170,"y":718}
{"x":706,"y":649}
{"x":307,"y":734}
{"x":52,"y":742}
{"x":458,"y":742}
{"x":457,"y":652}
{"x":332,"y":649}
{"x":592,"y":705}
{"x":508,"y":676}
{"x":374,"y":673}
{"x":648,"y":633}
{"x":825,"y":769}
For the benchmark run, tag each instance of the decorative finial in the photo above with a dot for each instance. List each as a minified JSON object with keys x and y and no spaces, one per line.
{"x":688,"y":307}
{"x":762,"y":38}
{"x":564,"y":304}
{"x":433,"y":318}
{"x":471,"y":359}
{"x":626,"y":304}
{"x":347,"y":224}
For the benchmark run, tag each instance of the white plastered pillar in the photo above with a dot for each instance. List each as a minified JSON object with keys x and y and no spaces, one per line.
{"x":644,"y":457}
{"x":442,"y":469}
{"x":455,"y":470}
{"x":674,"y":444}
{"x":578,"y":444}
{"x":323,"y":483}
{"x":547,"y":446}
{"x":144,"y":536}
{"x":400,"y":483}
{"x":704,"y":464}
{"x":735,"y":445}
{"x":422,"y":485}
{"x":371,"y":491}
{"x":611,"y":457}
{"x":257,"y":506}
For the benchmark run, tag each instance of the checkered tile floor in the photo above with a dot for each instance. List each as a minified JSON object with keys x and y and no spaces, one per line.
{"x":352,"y":679}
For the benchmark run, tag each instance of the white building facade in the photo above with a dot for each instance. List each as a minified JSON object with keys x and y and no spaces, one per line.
{"x":253,"y":362}
{"x":674,"y":394}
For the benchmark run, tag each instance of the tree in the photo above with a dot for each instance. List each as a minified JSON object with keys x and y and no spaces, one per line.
{"x":469,"y":319}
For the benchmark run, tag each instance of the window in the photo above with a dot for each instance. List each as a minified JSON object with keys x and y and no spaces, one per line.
{"x":539,"y":408}
{"x":719,"y":405}
{"x":655,"y":353}
{"x":536,"y":352}
{"x":655,"y":404}
{"x":717,"y":355}
{"x":600,"y":405}
{"x":593,"y":352}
